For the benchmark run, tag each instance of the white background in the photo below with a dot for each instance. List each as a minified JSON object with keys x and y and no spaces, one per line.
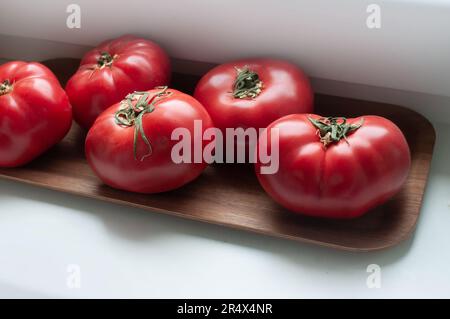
{"x":329,"y":39}
{"x":125,"y":252}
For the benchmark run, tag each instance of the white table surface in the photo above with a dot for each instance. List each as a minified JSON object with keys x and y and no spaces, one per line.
{"x":126,"y":252}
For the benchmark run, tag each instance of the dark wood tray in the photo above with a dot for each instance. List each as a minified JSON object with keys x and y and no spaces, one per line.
{"x":230,"y":195}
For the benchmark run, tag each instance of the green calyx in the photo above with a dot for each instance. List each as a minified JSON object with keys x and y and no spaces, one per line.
{"x":105,"y":59}
{"x":247,"y":84}
{"x":132,"y":114}
{"x":333,"y":129}
{"x":5,"y":87}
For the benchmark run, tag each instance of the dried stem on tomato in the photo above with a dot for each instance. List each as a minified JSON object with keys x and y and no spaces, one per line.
{"x":247,"y":84}
{"x":132,"y":114}
{"x":333,"y":129}
{"x":105,"y":59}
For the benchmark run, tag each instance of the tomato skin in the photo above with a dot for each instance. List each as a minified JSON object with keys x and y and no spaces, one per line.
{"x":109,"y":146}
{"x":343,"y":180}
{"x":35,"y":113}
{"x":286,"y":90}
{"x":139,"y":65}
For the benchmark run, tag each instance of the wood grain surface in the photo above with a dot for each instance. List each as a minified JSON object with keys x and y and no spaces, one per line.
{"x":229,"y":194}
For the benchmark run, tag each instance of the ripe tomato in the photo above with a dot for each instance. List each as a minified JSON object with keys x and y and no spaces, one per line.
{"x":112,"y":70}
{"x":253,"y":93}
{"x":129,"y":146}
{"x":335,"y":167}
{"x":35,"y":112}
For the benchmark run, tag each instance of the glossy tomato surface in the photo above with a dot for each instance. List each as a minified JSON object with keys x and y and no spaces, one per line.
{"x":343,"y":179}
{"x":147,"y":168}
{"x":281,"y":89}
{"x":112,"y":70}
{"x":35,"y":112}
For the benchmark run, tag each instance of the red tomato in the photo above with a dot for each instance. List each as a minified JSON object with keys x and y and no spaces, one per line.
{"x":129,"y":146}
{"x":253,"y":93}
{"x":35,"y":112}
{"x":112,"y":70}
{"x":336,"y":168}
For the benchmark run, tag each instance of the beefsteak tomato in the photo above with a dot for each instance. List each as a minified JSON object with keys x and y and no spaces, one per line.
{"x":130,"y":144}
{"x":35,"y":112}
{"x":335,"y":167}
{"x":253,"y":93}
{"x":112,"y":70}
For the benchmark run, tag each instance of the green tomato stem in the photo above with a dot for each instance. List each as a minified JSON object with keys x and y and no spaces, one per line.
{"x":131,"y":115}
{"x":247,"y":84}
{"x":105,"y":59}
{"x":331,"y":130}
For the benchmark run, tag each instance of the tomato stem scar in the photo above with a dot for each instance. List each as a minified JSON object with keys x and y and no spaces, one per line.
{"x":131,"y":115}
{"x":330,"y":130}
{"x":247,"y":84}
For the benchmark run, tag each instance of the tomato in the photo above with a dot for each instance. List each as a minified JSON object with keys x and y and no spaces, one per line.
{"x":334,"y":167}
{"x":129,"y":146}
{"x":35,"y":112}
{"x":254,"y":93}
{"x":112,"y":70}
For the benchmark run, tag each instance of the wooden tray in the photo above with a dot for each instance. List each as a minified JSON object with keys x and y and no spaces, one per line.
{"x":230,"y":195}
